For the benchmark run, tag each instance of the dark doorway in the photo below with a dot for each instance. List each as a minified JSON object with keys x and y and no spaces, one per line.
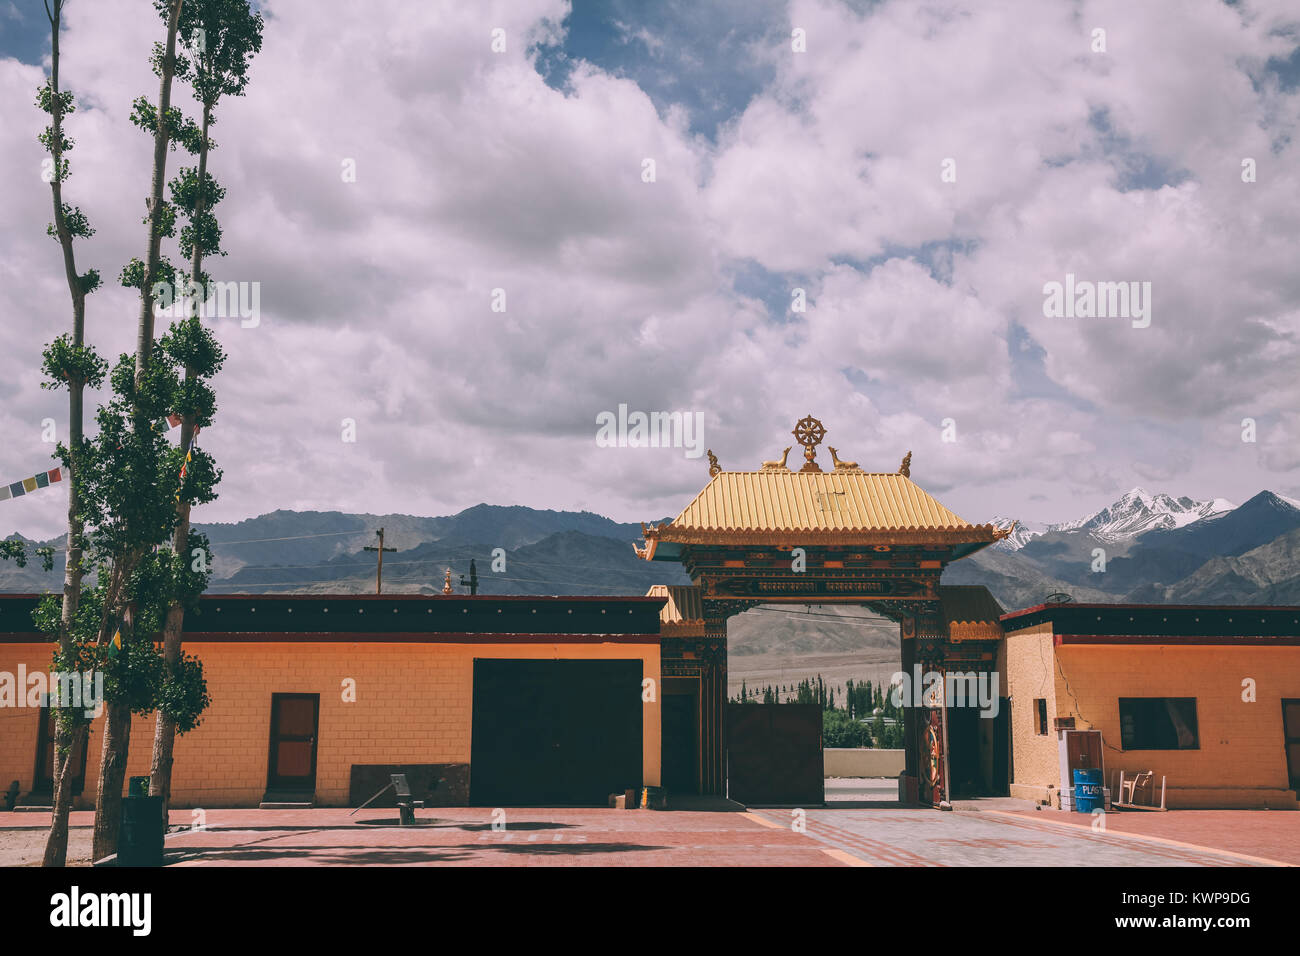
{"x":555,"y":733}
{"x":1002,"y":749}
{"x":978,"y":752}
{"x":1291,"y":733}
{"x":43,"y":781}
{"x":292,"y":761}
{"x":965,"y":775}
{"x":774,"y":754}
{"x":680,"y":716}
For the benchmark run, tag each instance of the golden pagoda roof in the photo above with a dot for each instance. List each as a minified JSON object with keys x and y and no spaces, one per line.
{"x":683,"y":614}
{"x":971,"y":612}
{"x":841,"y":507}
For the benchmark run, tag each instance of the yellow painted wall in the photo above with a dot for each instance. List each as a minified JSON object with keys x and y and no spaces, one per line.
{"x":1030,"y":675}
{"x":1241,"y":760}
{"x":414,"y":705}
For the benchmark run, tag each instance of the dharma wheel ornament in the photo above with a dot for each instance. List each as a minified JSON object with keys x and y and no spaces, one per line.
{"x":809,"y":432}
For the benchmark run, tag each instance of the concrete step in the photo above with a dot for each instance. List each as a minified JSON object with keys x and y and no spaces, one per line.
{"x":279,"y":800}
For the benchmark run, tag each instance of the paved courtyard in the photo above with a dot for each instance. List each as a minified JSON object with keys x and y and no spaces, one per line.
{"x":833,"y":836}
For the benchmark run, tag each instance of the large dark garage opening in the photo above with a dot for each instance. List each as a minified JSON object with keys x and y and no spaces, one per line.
{"x":554,"y":733}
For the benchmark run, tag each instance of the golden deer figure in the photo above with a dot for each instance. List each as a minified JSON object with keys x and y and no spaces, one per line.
{"x":774,"y":465}
{"x":842,"y":465}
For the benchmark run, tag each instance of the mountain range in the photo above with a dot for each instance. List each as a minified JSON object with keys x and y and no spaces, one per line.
{"x":1144,"y":548}
{"x":1150,"y":549}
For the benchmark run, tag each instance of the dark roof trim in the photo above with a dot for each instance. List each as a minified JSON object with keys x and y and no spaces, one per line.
{"x":397,"y":637}
{"x":1180,"y":623}
{"x":370,"y":617}
{"x":1181,"y":640}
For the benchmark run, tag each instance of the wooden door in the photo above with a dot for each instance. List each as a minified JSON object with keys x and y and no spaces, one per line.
{"x":680,"y":735}
{"x":555,"y":732}
{"x":292,"y":761}
{"x":44,"y":779}
{"x":774,"y":754}
{"x":1291,"y":733}
{"x":1083,"y":749}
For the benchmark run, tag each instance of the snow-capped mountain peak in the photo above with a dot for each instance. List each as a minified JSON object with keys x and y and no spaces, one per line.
{"x":1139,"y":511}
{"x":1135,"y":513}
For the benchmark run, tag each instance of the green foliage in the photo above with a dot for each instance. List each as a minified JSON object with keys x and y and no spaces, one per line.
{"x":61,"y":143}
{"x":65,"y":363}
{"x":46,"y":100}
{"x":841,"y":730}
{"x":183,"y":696}
{"x":75,"y":221}
{"x":181,"y":129}
{"x":15,"y":550}
{"x":222,"y":37}
{"x":133,"y":273}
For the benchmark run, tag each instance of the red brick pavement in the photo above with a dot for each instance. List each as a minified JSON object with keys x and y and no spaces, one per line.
{"x":1268,"y":834}
{"x":584,"y":837}
{"x":465,"y":837}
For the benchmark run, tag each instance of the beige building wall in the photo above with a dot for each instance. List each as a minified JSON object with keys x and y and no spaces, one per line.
{"x":1241,"y":760}
{"x":414,"y":704}
{"x":1030,"y":675}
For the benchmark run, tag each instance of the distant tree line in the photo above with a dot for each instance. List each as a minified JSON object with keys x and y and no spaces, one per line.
{"x":863,"y":716}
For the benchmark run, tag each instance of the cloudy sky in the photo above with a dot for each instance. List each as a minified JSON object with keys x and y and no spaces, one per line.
{"x":920,"y":169}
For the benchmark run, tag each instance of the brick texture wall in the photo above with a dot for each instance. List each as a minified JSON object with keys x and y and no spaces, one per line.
{"x":413,"y":704}
{"x":1030,"y":675}
{"x":1241,"y":760}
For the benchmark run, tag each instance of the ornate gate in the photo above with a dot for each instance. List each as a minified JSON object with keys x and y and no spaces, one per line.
{"x":844,"y":536}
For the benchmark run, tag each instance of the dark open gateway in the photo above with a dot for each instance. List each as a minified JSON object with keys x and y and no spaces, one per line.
{"x":555,"y":733}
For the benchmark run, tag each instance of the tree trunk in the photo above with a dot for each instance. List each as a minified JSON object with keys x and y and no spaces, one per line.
{"x":144,"y":333}
{"x":112,"y":774}
{"x":164,"y":737}
{"x":56,"y":844}
{"x":117,"y":727}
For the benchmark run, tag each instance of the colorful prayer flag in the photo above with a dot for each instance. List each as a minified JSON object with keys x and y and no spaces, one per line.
{"x":39,"y":480}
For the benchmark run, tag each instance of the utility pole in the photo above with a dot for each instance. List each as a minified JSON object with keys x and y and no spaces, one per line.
{"x":379,"y":572}
{"x":473,"y":579}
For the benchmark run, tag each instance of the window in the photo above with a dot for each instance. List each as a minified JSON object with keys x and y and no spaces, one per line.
{"x":1040,"y":710}
{"x":1158,"y":723}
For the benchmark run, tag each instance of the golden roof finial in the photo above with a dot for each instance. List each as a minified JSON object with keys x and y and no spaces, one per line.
{"x":809,"y":432}
{"x":1001,"y":534}
{"x":714,"y":467}
{"x":905,"y":469}
{"x":446,"y":584}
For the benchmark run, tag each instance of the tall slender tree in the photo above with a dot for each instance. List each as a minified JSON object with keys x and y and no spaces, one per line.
{"x":222,"y":37}
{"x":69,"y":363}
{"x":164,"y":123}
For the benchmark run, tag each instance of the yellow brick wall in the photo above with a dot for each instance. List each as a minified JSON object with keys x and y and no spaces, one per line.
{"x":1029,"y":671}
{"x":1241,"y":743}
{"x":414,"y":705}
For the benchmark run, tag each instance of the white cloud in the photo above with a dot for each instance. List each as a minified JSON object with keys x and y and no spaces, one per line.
{"x":473,"y":175}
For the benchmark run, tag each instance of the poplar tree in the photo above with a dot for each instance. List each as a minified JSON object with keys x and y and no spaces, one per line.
{"x":136,"y":531}
{"x":221,"y":36}
{"x":69,"y":363}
